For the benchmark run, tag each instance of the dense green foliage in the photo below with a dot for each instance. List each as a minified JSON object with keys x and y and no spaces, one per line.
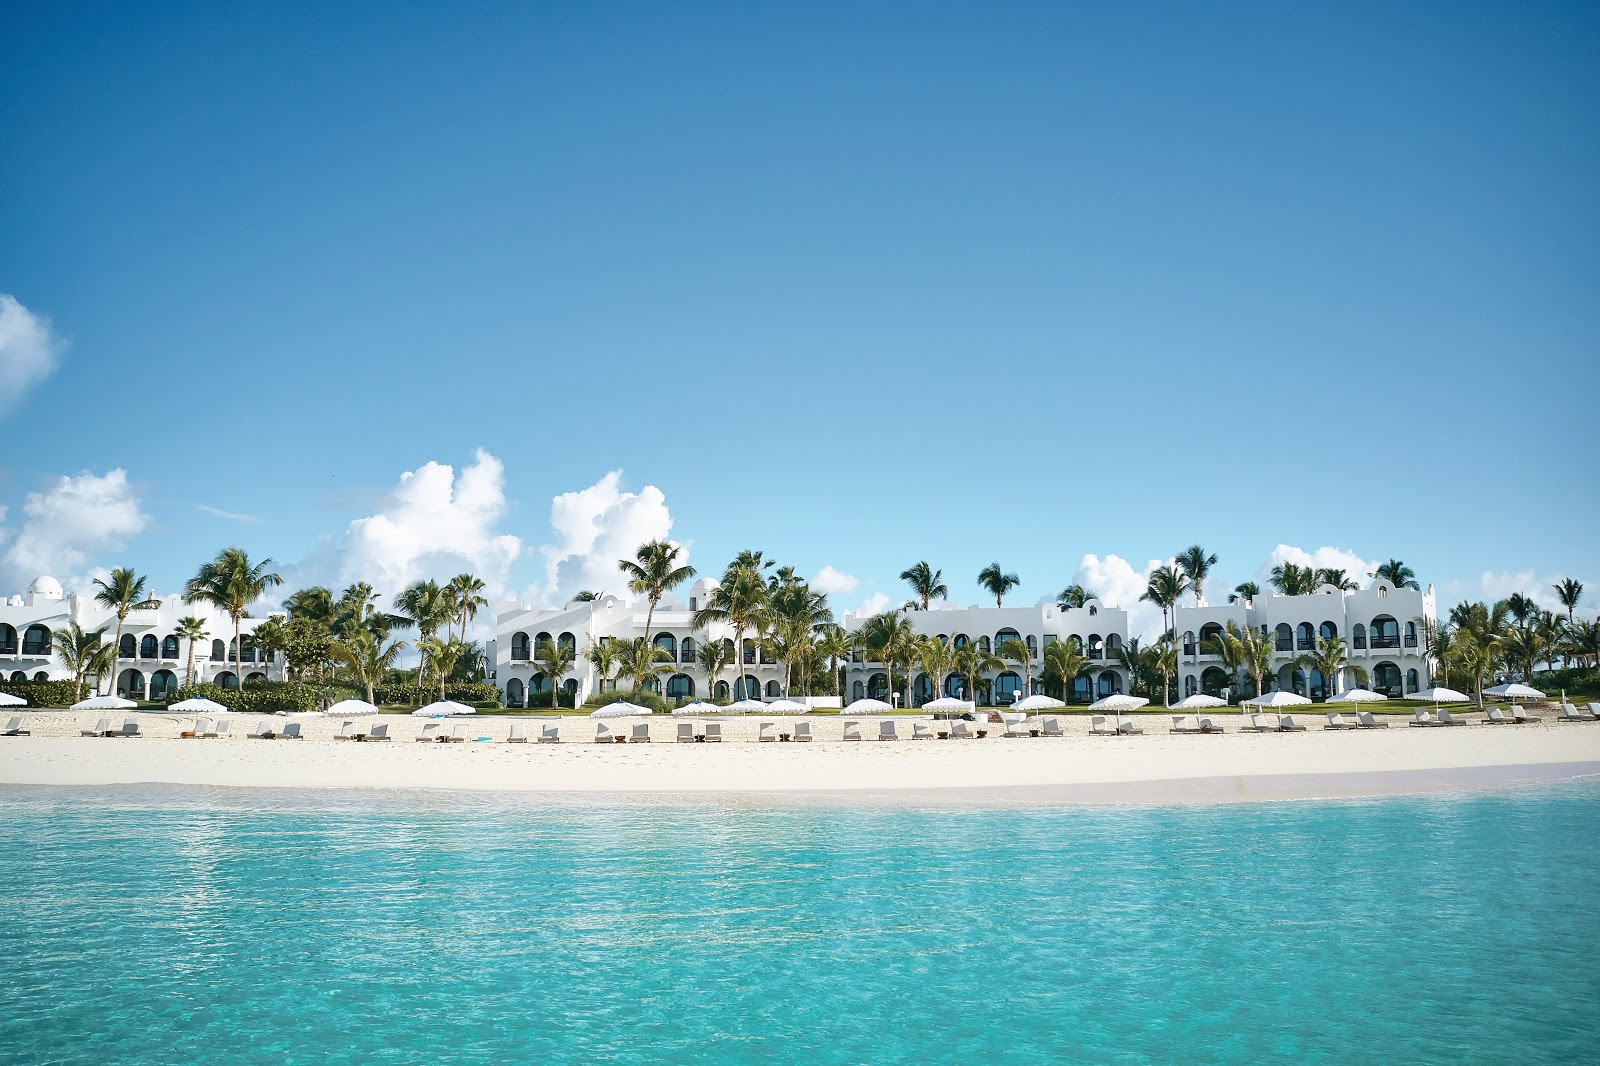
{"x":267,"y":697}
{"x":404,"y":693}
{"x":41,"y":693}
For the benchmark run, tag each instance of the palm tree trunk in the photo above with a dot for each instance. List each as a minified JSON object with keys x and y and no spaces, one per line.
{"x":238,"y":656}
{"x":116,"y":660}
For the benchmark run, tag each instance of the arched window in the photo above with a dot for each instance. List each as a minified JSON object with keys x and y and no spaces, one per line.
{"x":567,"y":640}
{"x":680,"y":687}
{"x":944,"y":638}
{"x":128,"y":646}
{"x":1005,"y":635}
{"x":148,"y":646}
{"x":1113,"y":645}
{"x":961,"y":641}
{"x":749,"y":652}
{"x":169,"y":647}
{"x":18,"y":675}
{"x":1386,"y":679}
{"x":254,"y":675}
{"x":1082,"y":688}
{"x":1189,"y":647}
{"x":1303,"y":637}
{"x":1384,"y":632}
{"x":130,"y":685}
{"x":514,"y":689}
{"x":1191,"y":685}
{"x":1358,"y":636}
{"x":955,"y":686}
{"x":1208,"y":633}
{"x":520,"y":649}
{"x":1285,"y":637}
{"x":983,"y":646}
{"x":766,"y":656}
{"x":748,"y":688}
{"x":41,"y":676}
{"x":878,"y":687}
{"x":773,"y":689}
{"x":858,"y":691}
{"x":667,"y":643}
{"x":1096,"y":649}
{"x":1411,"y":680}
{"x":1076,"y":643}
{"x":1213,"y":681}
{"x":1310,"y":686}
{"x":219,"y":651}
{"x":1110,"y":683}
{"x":1328,"y":631}
{"x":687,"y":650}
{"x":922,"y":690}
{"x":8,"y":639}
{"x":1383,"y":592}
{"x":1007,"y":687}
{"x":721,"y":690}
{"x":1033,"y":646}
{"x":36,"y":640}
{"x":228,"y":681}
{"x":1411,"y":634}
{"x":163,"y":683}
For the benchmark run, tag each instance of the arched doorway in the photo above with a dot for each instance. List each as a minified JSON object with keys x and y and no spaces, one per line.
{"x":130,"y":685}
{"x":163,"y":683}
{"x":514,"y":692}
{"x":680,"y":687}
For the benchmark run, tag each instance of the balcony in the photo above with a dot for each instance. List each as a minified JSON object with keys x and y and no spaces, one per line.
{"x":1096,"y":653}
{"x":1385,"y":642}
{"x":1190,"y":649}
{"x":1411,"y":642}
{"x":8,"y":649}
{"x":35,"y":648}
{"x":1286,"y":645}
{"x":1304,"y":644}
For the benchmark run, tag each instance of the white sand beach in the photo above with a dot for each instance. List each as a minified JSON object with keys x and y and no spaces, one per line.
{"x":1158,"y":764}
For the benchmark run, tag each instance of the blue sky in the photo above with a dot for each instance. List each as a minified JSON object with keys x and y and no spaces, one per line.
{"x":856,"y":285}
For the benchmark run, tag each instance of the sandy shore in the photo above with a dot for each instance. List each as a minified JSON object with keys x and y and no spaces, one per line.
{"x":1157,"y":766}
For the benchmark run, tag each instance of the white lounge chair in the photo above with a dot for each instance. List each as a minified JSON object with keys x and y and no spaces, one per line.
{"x":1336,"y":721}
{"x":196,"y":731}
{"x":1255,"y":722}
{"x":219,"y":731}
{"x":1569,"y":713}
{"x":641,"y":733}
{"x":292,"y":731}
{"x":1366,"y":720}
{"x":768,"y":733}
{"x":130,"y":728}
{"x":347,"y":731}
{"x":1014,"y":725}
{"x":1495,"y":716}
{"x":603,"y":734}
{"x":1286,"y":724}
{"x":457,"y":734}
{"x":852,"y":731}
{"x":262,"y":731}
{"x":550,"y":733}
{"x":14,"y":728}
{"x":1594,"y":710}
{"x":802,"y":732}
{"x":1446,"y":718}
{"x":685,"y":732}
{"x":961,"y":729}
{"x":921,"y":731}
{"x":1521,"y":716}
{"x":519,"y":733}
{"x":887,"y":731}
{"x":1179,"y":726}
{"x":1052,"y":728}
{"x":1421,"y":718}
{"x":713,"y":732}
{"x":1126,"y":727}
{"x":429,"y":734}
{"x":101,"y":728}
{"x":1097,"y":726}
{"x":1208,"y":726}
{"x":378,"y":732}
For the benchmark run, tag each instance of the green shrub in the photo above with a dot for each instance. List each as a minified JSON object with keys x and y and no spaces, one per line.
{"x":537,"y":700}
{"x":645,"y":698}
{"x":266,"y":697}
{"x":44,"y":693}
{"x":402,"y":693}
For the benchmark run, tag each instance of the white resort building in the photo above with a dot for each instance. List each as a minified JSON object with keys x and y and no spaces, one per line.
{"x":152,"y":658}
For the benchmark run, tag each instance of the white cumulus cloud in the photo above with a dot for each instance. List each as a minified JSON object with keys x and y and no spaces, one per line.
{"x":65,"y":525}
{"x":1353,"y":565}
{"x":1119,"y":584}
{"x":594,"y":528}
{"x":28,"y":351}
{"x":874,"y":604}
{"x":833,"y":582}
{"x":1490,"y":586}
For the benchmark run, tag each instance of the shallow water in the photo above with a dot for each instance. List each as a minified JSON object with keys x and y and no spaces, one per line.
{"x":145,"y":926}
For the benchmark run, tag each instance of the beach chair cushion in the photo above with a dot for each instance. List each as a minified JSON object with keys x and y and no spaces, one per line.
{"x":887,"y":731}
{"x":713,"y":732}
{"x":685,"y":733}
{"x":802,"y":731}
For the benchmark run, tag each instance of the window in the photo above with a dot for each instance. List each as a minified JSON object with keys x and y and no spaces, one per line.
{"x":687,"y":650}
{"x":721,"y":691}
{"x":169,"y":647}
{"x":520,"y":651}
{"x":1007,"y":687}
{"x":1328,"y":631}
{"x":1191,"y":685}
{"x":1285,"y":637}
{"x":567,"y":640}
{"x":8,"y":639}
{"x":665,"y":642}
{"x":961,"y":641}
{"x":983,"y":645}
{"x":36,"y":640}
{"x":219,"y":651}
{"x":1033,"y":647}
{"x":1303,"y":637}
{"x":1188,"y":643}
{"x":128,"y":646}
{"x":1096,"y":649}
{"x":514,"y":690}
{"x":1384,"y":632}
{"x":1358,"y":636}
{"x":1005,"y":635}
{"x":1411,"y":634}
{"x":1386,"y":679}
{"x":1208,"y":633}
{"x":163,"y":683}
{"x":148,"y":646}
{"x":680,"y":686}
{"x":1110,"y":683}
{"x":878,"y":687}
{"x":18,"y":675}
{"x":858,"y":691}
{"x":772,"y":689}
{"x":1411,"y":680}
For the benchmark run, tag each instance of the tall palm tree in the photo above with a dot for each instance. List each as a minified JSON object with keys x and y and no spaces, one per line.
{"x":1196,"y":565}
{"x":1329,"y":659}
{"x":466,"y":597}
{"x":1337,"y":577}
{"x":741,"y":600}
{"x":1569,"y":591}
{"x":1397,"y":574}
{"x":1258,"y":652}
{"x":603,"y":656}
{"x":122,"y":592}
{"x":1016,"y":651}
{"x":586,"y":596}
{"x":926,"y":583}
{"x":444,"y":656}
{"x":971,"y":662}
{"x":1292,"y":579}
{"x":314,"y":604}
{"x":555,"y":658}
{"x":83,"y":652}
{"x":891,"y":640}
{"x":654,"y":571}
{"x":997,"y":582}
{"x":1230,"y":647}
{"x":640,"y":661}
{"x":231,"y":583}
{"x":713,"y":656}
{"x":1071,"y":597}
{"x":270,"y":636}
{"x":1064,"y":663}
{"x":191,"y":629}
{"x":834,"y":644}
{"x":1247,"y":590}
{"x":428,"y":606}
{"x":937,"y":660}
{"x":1165,"y":588}
{"x":368,"y":658}
{"x":1439,"y":642}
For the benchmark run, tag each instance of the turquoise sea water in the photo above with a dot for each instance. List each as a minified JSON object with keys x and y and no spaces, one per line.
{"x":146,"y":926}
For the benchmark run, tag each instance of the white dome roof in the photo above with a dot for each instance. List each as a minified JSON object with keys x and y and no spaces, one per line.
{"x":46,"y":586}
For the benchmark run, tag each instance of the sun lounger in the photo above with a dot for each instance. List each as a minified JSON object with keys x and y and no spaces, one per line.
{"x":1208,"y":726}
{"x":921,"y":731}
{"x":519,"y":733}
{"x":714,"y":732}
{"x":1367,"y":720}
{"x":641,"y":733}
{"x":14,"y":728}
{"x":1052,"y":728}
{"x":887,"y":731}
{"x":802,"y":732}
{"x":1179,"y":726}
{"x":1337,"y":721}
{"x":1286,"y":724}
{"x":101,"y":728}
{"x":130,"y":728}
{"x":685,"y":732}
{"x":961,"y":729}
{"x":1013,"y":726}
{"x":457,"y":735}
{"x":1256,"y":723}
{"x":262,"y":731}
{"x":603,"y":734}
{"x":429,"y":734}
{"x":378,"y":732}
{"x":347,"y":731}
{"x":196,"y":731}
{"x":550,"y":734}
{"x":1495,"y":716}
{"x":1097,"y":726}
{"x":219,"y":731}
{"x":768,"y":733}
{"x":1446,"y":718}
{"x":1421,"y":718}
{"x":1569,"y":713}
{"x":1126,"y":727}
{"x":1521,"y":716}
{"x":852,"y":731}
{"x":292,"y":732}
{"x":1594,"y":710}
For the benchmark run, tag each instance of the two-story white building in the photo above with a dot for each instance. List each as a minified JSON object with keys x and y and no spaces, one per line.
{"x":1382,"y":628}
{"x":152,"y":658}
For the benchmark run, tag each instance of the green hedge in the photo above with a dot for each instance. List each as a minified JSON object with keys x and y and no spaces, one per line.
{"x":267,"y":697}
{"x":538,"y":700}
{"x":43,"y":693}
{"x":472,"y":693}
{"x":645,"y":698}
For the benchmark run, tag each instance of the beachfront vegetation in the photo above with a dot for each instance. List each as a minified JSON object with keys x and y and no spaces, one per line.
{"x":122,"y":592}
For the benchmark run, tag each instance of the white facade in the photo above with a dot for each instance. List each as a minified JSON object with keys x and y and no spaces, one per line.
{"x":153,"y":659}
{"x":1382,"y":627}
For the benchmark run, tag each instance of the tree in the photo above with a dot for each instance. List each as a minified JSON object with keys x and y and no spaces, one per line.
{"x":713,"y":657}
{"x":926,"y":583}
{"x":586,"y":596}
{"x":231,"y":583}
{"x":1569,"y":592}
{"x":602,"y":655}
{"x":122,"y":592}
{"x":1336,"y":577}
{"x":1292,"y":579}
{"x":1016,"y":651}
{"x":85,"y":653}
{"x":1246,"y":591}
{"x":191,"y":629}
{"x":1072,"y":597}
{"x":1165,"y":588}
{"x":368,"y":658}
{"x":446,"y":655}
{"x":428,"y":607}
{"x":640,"y":661}
{"x":890,"y":639}
{"x":1439,"y":641}
{"x":997,"y":582}
{"x":936,"y":660}
{"x":741,"y":600}
{"x":555,"y":658}
{"x":1397,"y":574}
{"x":270,"y":636}
{"x":310,"y":647}
{"x":654,"y":571}
{"x":972,"y":663}
{"x":1196,"y":565}
{"x":1064,"y":663}
{"x":1258,"y":652}
{"x":1230,"y":647}
{"x":1329,"y":658}
{"x":466,"y":597}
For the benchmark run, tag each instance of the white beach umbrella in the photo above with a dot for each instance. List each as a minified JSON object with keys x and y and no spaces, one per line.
{"x":198,"y":705}
{"x":698,"y":707}
{"x":620,"y":709}
{"x":1198,"y":702}
{"x":1118,"y":703}
{"x":1276,"y":698}
{"x":1038,"y":703}
{"x":1514,"y":691}
{"x":350,"y":709}
{"x":1358,"y":695}
{"x":787,"y":707}
{"x":8,"y":700}
{"x":946,"y":704}
{"x":104,"y":703}
{"x":443,"y":708}
{"x":1438,"y":695}
{"x":744,"y":706}
{"x":867,"y":706}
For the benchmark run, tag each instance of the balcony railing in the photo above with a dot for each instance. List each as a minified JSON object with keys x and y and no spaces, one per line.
{"x":1189,"y":649}
{"x":519,"y":655}
{"x":1385,"y":642}
{"x":1286,"y":644}
{"x":1304,"y":644}
{"x":34,"y":648}
{"x":1411,"y":642}
{"x":1096,"y":653}
{"x":8,"y":649}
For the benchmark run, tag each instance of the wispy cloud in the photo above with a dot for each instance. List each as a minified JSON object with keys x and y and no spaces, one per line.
{"x":217,"y":512}
{"x":28,"y":351}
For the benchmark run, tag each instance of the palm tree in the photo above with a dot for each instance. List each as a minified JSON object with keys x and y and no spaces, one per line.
{"x":1292,"y":579}
{"x":652,"y":573}
{"x":926,"y":583}
{"x":1016,"y":651}
{"x":936,"y":660}
{"x":1584,"y":640}
{"x":446,"y":655}
{"x":1569,"y":591}
{"x":121,"y":592}
{"x":1336,"y":577}
{"x":191,"y":629}
{"x":1073,"y":596}
{"x":1064,"y":663}
{"x":1439,"y":642}
{"x":602,"y":655}
{"x":1258,"y":652}
{"x":641,"y":661}
{"x":890,"y":638}
{"x":1397,"y":574}
{"x":1196,"y":566}
{"x":1247,"y":590}
{"x":834,"y":644}
{"x":1479,"y":656}
{"x":997,"y":581}
{"x":971,"y":662}
{"x":231,"y":583}
{"x":1230,"y":647}
{"x":586,"y":596}
{"x":270,"y":636}
{"x":466,"y":597}
{"x":368,"y":658}
{"x":555,"y":658}
{"x":713,"y":657}
{"x":1329,"y":658}
{"x":428,"y":607}
{"x":741,"y":600}
{"x":1165,"y":588}
{"x":84,"y":653}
